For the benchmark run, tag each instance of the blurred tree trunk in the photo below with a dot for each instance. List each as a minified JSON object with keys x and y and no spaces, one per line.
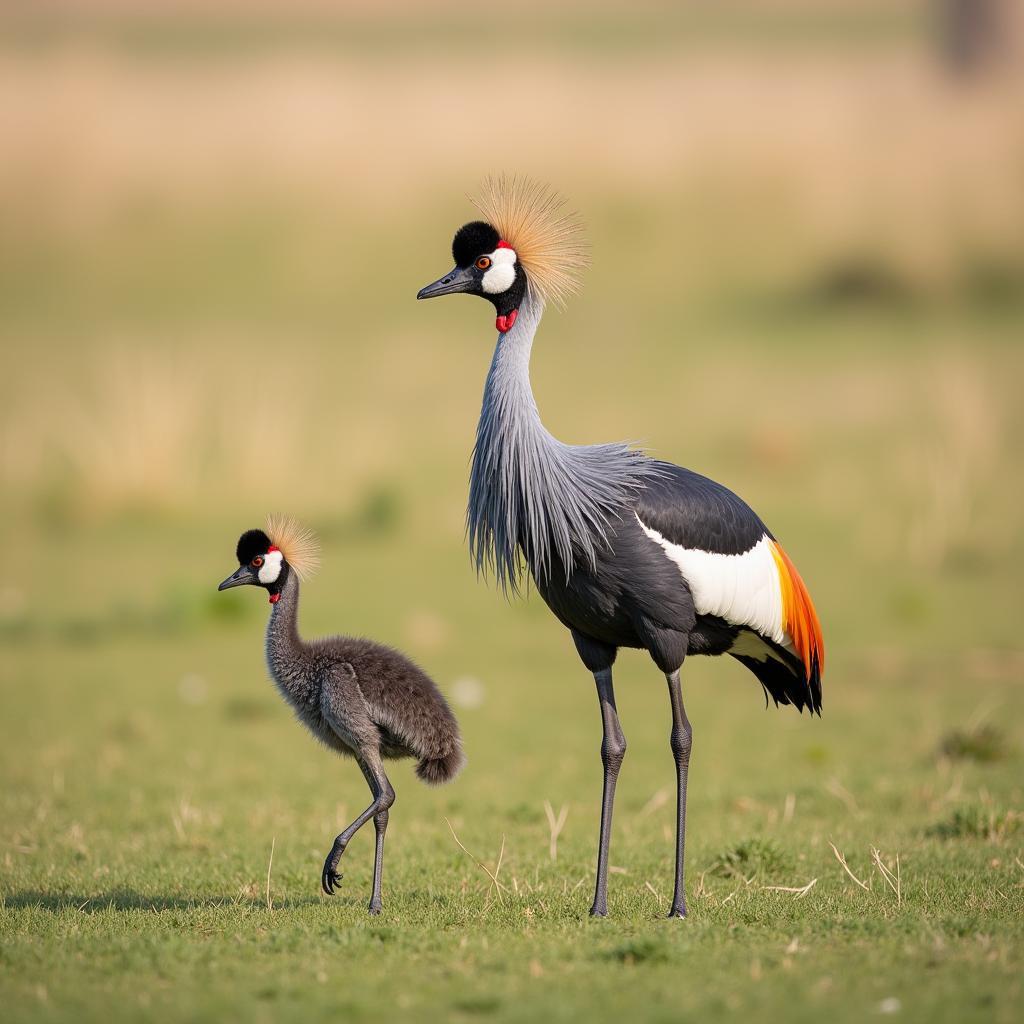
{"x":974,"y":34}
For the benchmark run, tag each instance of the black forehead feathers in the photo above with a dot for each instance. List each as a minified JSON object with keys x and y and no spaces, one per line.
{"x":471,"y":240}
{"x":251,"y":544}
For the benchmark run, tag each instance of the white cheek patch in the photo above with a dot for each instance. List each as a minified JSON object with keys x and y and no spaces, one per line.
{"x":502,"y":272}
{"x":271,"y":567}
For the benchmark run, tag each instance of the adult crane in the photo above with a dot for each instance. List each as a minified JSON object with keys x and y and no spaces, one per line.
{"x":626,"y":550}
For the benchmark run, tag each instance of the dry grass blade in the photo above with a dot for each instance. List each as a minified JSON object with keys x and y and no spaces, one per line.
{"x":701,"y":891}
{"x":657,"y":801}
{"x":799,"y":892}
{"x":492,"y":875}
{"x":497,"y":868}
{"x":555,"y":825}
{"x":846,"y":867}
{"x":892,"y":880}
{"x":981,"y":714}
{"x":789,"y":809}
{"x":270,"y":865}
{"x":654,"y":892}
{"x":840,"y":792}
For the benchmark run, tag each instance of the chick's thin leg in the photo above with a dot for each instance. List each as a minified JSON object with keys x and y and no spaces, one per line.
{"x":383,"y":798}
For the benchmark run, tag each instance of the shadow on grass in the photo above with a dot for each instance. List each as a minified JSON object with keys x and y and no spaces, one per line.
{"x":127,"y":899}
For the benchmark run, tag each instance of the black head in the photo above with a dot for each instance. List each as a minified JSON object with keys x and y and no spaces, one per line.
{"x":487,"y":266}
{"x":478,"y":238}
{"x":260,"y":564}
{"x":251,"y":544}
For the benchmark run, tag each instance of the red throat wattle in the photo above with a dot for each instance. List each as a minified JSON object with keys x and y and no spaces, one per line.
{"x":504,"y":323}
{"x":274,"y":598}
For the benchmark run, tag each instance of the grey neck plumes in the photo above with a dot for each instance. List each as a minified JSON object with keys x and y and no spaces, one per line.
{"x":285,"y":648}
{"x":531,"y":493}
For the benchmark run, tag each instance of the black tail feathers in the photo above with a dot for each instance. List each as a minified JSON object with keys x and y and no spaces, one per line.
{"x":787,"y":683}
{"x":435,"y":771}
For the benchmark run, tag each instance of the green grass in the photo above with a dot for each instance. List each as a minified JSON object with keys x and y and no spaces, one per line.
{"x":149,"y":767}
{"x":147,"y":776}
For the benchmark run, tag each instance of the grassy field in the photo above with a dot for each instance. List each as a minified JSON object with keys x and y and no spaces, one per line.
{"x":203,"y":324}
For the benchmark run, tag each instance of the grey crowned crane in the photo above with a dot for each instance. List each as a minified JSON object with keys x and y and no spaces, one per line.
{"x":359,"y":698}
{"x":627,"y":551}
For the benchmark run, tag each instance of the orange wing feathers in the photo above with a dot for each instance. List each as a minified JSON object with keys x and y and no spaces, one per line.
{"x":800,"y":618}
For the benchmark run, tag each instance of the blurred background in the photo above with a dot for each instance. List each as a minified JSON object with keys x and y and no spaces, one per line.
{"x":806,"y":220}
{"x":807,"y":223}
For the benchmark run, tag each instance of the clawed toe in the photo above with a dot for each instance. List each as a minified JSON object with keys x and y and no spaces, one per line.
{"x":329,"y":880}
{"x":330,"y":877}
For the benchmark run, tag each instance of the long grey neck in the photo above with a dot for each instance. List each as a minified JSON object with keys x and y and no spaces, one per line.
{"x":508,"y":392}
{"x":531,"y":496}
{"x":286,"y":651}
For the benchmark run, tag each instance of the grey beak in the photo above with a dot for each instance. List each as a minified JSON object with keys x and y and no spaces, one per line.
{"x":239,"y":578}
{"x":458,"y":279}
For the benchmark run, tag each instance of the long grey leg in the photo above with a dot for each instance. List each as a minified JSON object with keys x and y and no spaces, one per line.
{"x":383,"y":798}
{"x":380,"y":825}
{"x":613,"y":750}
{"x":681,"y":742}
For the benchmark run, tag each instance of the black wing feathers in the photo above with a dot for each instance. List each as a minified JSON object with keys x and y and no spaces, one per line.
{"x":690,"y":510}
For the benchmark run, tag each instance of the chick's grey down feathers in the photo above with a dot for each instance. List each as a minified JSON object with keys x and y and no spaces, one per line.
{"x":356,"y":695}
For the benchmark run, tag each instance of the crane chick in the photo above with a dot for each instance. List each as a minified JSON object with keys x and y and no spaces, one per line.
{"x":359,"y":698}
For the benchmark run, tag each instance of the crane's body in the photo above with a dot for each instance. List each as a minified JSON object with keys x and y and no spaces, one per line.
{"x":626,"y":551}
{"x":355,"y":694}
{"x":360,"y":698}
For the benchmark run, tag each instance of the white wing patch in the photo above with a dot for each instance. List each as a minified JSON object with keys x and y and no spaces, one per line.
{"x":742,"y":589}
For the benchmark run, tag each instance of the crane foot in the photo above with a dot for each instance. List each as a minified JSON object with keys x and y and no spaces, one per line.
{"x":330,"y":878}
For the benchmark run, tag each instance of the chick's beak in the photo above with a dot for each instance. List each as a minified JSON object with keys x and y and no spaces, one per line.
{"x":458,"y":279}
{"x":239,"y":578}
